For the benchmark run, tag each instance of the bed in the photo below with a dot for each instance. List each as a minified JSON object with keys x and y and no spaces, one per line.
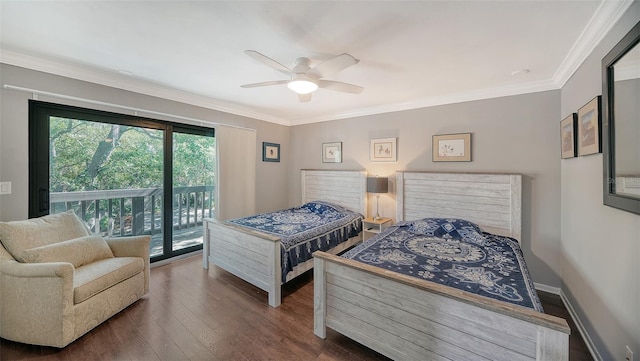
{"x":257,"y":256}
{"x":409,"y":318}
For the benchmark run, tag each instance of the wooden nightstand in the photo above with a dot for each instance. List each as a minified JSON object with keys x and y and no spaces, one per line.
{"x":372,"y":227}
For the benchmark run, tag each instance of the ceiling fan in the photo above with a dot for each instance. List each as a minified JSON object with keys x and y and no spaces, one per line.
{"x":304,"y":79}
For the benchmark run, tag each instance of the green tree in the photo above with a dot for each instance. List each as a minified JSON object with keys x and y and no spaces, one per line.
{"x":193,"y":161}
{"x":88,"y":156}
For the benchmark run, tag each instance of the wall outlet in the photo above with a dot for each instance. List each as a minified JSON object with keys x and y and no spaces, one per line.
{"x":629,"y":354}
{"x":5,"y":187}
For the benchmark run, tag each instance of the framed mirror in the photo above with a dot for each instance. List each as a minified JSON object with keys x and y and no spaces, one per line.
{"x":621,"y":123}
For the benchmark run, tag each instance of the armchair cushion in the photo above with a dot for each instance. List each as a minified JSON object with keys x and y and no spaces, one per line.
{"x":18,"y":236}
{"x":78,"y":252}
{"x":97,"y":276}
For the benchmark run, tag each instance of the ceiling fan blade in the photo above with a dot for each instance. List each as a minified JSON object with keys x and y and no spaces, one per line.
{"x":264,"y":83}
{"x":304,"y":98}
{"x":340,"y":86}
{"x":269,"y":62}
{"x":334,"y":65}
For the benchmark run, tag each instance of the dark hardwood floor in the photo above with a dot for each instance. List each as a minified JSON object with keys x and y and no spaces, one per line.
{"x":195,"y":314}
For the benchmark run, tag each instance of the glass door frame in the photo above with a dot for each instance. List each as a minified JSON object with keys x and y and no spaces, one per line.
{"x":172,"y":129}
{"x":39,"y":176}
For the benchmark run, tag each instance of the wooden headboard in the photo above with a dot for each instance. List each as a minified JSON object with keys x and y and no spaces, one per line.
{"x":492,"y":201}
{"x":346,"y":188}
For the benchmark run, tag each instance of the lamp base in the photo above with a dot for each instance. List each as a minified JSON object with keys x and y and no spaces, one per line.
{"x":377,"y":216}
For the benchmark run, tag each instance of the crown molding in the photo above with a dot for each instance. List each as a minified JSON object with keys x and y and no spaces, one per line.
{"x":627,"y":72}
{"x":605,"y":17}
{"x":607,"y":14}
{"x":111,"y":79}
{"x":496,"y":92}
{"x":136,"y":85}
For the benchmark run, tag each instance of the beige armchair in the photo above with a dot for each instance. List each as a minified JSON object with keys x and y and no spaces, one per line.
{"x":57,"y":282}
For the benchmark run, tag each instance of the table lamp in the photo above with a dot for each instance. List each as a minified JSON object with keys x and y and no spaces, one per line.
{"x":377,"y":185}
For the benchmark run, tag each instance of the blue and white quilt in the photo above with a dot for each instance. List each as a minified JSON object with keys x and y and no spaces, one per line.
{"x":454,"y":253}
{"x":303,"y":230}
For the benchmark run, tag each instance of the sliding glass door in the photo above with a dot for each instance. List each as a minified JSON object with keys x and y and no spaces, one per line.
{"x":123,"y":175}
{"x":193,"y":187}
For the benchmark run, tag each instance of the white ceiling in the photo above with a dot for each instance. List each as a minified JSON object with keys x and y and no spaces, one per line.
{"x":412,"y":53}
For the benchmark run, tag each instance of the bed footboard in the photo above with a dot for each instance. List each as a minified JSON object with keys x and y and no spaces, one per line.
{"x":410,"y":319}
{"x":252,"y":256}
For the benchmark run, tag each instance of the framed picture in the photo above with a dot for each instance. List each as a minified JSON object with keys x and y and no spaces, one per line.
{"x":270,"y":152}
{"x":589,"y":125}
{"x":332,"y":152}
{"x":568,"y":136}
{"x":383,"y":150}
{"x":452,"y":147}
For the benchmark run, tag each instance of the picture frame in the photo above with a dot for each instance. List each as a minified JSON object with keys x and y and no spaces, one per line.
{"x":383,"y":150}
{"x":568,"y":137}
{"x":589,"y":128}
{"x":451,"y":147}
{"x":332,"y":152}
{"x":270,"y":152}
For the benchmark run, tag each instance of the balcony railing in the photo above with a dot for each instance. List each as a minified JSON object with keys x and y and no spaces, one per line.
{"x":126,"y":212}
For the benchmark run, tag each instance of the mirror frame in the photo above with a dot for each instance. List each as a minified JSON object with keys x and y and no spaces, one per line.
{"x":611,"y":198}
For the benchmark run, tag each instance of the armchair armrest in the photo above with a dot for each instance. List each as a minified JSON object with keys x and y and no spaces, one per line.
{"x":27,"y":315}
{"x":33,"y":270}
{"x":134,"y":246}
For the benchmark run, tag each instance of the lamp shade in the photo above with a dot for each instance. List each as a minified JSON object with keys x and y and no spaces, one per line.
{"x":377,"y":185}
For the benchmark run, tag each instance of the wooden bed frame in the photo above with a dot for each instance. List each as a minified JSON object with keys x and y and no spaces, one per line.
{"x":255,"y":256}
{"x":407,"y":318}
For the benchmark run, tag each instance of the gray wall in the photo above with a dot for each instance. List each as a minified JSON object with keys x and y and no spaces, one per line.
{"x":570,"y":239}
{"x":600,"y":244}
{"x":517,"y":134}
{"x":271,"y":178}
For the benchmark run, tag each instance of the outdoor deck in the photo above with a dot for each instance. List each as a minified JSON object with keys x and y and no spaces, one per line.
{"x":182,"y":238}
{"x":127,"y":212}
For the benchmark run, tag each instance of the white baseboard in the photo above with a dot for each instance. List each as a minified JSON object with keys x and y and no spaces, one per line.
{"x":583,"y":332}
{"x":574,"y":316}
{"x":545,"y":288}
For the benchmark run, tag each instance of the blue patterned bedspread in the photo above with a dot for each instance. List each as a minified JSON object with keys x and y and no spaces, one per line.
{"x":455,"y":253}
{"x":303,"y":230}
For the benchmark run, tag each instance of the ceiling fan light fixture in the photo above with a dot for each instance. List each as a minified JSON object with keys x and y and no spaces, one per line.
{"x":302,"y":86}
{"x":303,"y":79}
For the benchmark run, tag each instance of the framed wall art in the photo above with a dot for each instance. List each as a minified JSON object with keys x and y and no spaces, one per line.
{"x":270,"y":152}
{"x":332,"y":152}
{"x":568,"y":136}
{"x":452,"y":147}
{"x":589,"y":125}
{"x":383,"y":150}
